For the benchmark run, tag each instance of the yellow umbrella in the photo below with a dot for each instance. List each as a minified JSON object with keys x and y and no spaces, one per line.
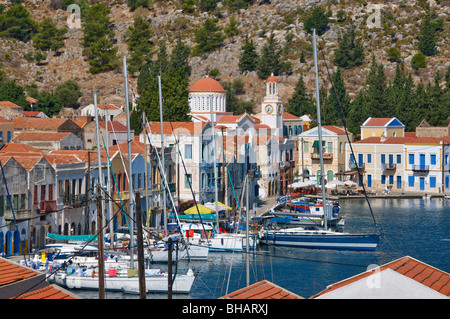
{"x":202,"y":209}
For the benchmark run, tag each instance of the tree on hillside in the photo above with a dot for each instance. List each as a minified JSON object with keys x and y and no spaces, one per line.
{"x":332,"y":109}
{"x":249,"y":58}
{"x":316,"y":19}
{"x":68,"y":93}
{"x":270,"y":59}
{"x":427,"y":37}
{"x":48,"y":103}
{"x":48,"y":36}
{"x":134,"y":4}
{"x":301,"y":101}
{"x":10,"y":91}
{"x":103,"y":56}
{"x":139,"y":45}
{"x":208,"y":37}
{"x":17,"y":23}
{"x":350,"y":52}
{"x":98,"y":39}
{"x":174,"y":85}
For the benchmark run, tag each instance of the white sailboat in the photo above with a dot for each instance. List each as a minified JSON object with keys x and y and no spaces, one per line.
{"x":300,"y":237}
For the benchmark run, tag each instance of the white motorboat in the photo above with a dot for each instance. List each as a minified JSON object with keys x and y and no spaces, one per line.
{"x":155,"y":280}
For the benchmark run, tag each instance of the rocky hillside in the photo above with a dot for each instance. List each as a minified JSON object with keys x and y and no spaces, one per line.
{"x":399,"y":26}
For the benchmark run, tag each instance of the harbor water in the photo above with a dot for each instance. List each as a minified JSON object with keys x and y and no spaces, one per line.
{"x":412,"y":227}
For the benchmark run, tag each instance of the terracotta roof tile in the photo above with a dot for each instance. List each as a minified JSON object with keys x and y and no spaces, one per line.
{"x":9,"y":104}
{"x":207,"y":85}
{"x":289,"y":116}
{"x":25,"y":123}
{"x":41,"y":136}
{"x":3,"y":120}
{"x":262,"y":290}
{"x":113,"y":126}
{"x":50,"y":292}
{"x":19,"y":148}
{"x":380,"y":121}
{"x":182,"y":127}
{"x":335,"y":129}
{"x":427,"y":275}
{"x":10,"y":272}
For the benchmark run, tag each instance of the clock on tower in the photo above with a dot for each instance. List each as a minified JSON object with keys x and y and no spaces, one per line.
{"x":272,"y":107}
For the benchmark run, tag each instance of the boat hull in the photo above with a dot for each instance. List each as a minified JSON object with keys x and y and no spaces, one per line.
{"x":182,"y":283}
{"x":321,"y":240}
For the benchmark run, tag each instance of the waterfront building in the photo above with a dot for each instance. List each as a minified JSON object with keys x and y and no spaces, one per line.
{"x":48,"y":141}
{"x":103,"y":109}
{"x":6,"y":130}
{"x":9,"y":110}
{"x":386,"y":127}
{"x":334,"y":142}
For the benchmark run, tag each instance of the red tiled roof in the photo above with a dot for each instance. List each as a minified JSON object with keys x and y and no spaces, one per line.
{"x":262,"y":290}
{"x":11,"y":273}
{"x":380,"y":121}
{"x":9,"y":104}
{"x":113,"y":126}
{"x":425,"y":140}
{"x":272,"y":78}
{"x":38,"y":123}
{"x":207,"y":85}
{"x":31,"y":100}
{"x":50,"y":292}
{"x":389,"y":140}
{"x":31,"y":113}
{"x":427,"y":275}
{"x":41,"y":136}
{"x":335,"y":129}
{"x":19,"y":148}
{"x":289,"y":116}
{"x":107,"y":106}
{"x":3,"y":120}
{"x":182,"y":127}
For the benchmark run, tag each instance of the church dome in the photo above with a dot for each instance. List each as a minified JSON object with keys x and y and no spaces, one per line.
{"x":207,"y":85}
{"x":272,"y":78}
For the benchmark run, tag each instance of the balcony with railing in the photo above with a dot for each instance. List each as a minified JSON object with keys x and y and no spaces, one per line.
{"x":421,"y":168}
{"x":210,"y":188}
{"x":47,"y":206}
{"x":75,"y":200}
{"x":326,"y":156}
{"x":388,"y":167}
{"x":286,"y":165}
{"x":20,"y":214}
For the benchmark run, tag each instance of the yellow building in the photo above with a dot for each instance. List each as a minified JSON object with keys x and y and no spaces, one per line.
{"x":382,"y":127}
{"x":334,"y":142}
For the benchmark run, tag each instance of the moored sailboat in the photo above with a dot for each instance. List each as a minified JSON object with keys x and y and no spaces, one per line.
{"x":301,"y":237}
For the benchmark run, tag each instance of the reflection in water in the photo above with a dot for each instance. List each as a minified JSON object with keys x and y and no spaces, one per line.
{"x":414,"y":227}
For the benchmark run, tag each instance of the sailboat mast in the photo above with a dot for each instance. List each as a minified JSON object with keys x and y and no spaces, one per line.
{"x":130,"y":183}
{"x":108,"y":185}
{"x":99,"y":159}
{"x":319,"y":130}
{"x":163,"y":161}
{"x":213,"y":136}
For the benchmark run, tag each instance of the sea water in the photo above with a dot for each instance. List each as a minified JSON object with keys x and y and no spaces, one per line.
{"x":412,"y":227}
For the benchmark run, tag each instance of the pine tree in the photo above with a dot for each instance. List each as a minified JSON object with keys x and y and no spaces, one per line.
{"x":174,"y":86}
{"x":269,"y":59}
{"x":103,"y":56}
{"x":17,"y":23}
{"x":208,"y":37}
{"x":179,"y":58}
{"x":427,"y":38}
{"x":316,"y":19}
{"x":48,"y":36}
{"x":376,"y":90}
{"x":333,"y":109}
{"x":301,"y":102}
{"x":249,"y":58}
{"x":10,"y":91}
{"x":350,"y":52}
{"x":139,"y":46}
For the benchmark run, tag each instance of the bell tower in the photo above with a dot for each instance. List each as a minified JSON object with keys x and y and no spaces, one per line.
{"x":272,"y":107}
